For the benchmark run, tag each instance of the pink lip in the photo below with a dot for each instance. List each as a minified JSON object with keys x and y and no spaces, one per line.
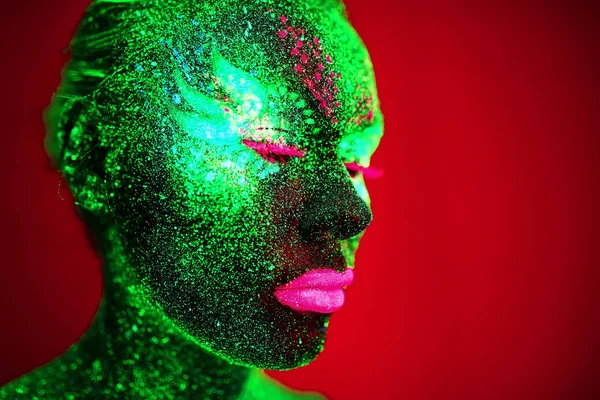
{"x":318,"y":290}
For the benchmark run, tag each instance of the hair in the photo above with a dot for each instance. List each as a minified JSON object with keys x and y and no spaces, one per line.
{"x":100,"y":37}
{"x":93,"y":54}
{"x":95,"y":50}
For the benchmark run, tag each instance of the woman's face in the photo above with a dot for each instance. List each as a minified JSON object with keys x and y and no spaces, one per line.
{"x":242,"y":136}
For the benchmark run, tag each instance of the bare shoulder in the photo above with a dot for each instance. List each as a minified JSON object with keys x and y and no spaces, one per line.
{"x":56,"y":380}
{"x":260,"y":386}
{"x":34,"y":385}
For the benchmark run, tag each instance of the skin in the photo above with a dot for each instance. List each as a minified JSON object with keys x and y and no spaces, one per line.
{"x":214,"y":157}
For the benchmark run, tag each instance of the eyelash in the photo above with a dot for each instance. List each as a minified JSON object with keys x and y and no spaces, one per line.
{"x":367,"y":172}
{"x":352,"y":170}
{"x":274,"y":152}
{"x":280,"y":153}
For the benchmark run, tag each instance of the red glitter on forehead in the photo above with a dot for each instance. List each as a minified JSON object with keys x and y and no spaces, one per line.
{"x":363,"y":107}
{"x":310,"y":68}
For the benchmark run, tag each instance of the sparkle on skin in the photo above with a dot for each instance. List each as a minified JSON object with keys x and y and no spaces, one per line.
{"x":216,"y":150}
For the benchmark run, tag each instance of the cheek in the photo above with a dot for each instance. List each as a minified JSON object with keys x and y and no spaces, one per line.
{"x":207,"y":178}
{"x":223,"y":212}
{"x":217,"y":253}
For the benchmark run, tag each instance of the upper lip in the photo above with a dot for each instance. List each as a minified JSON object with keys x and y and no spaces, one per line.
{"x":299,"y":258}
{"x":322,"y":278}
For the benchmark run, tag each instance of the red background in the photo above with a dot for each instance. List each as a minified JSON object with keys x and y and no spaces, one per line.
{"x":478,"y":278}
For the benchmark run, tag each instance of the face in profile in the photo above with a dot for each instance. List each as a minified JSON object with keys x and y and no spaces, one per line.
{"x":223,"y":161}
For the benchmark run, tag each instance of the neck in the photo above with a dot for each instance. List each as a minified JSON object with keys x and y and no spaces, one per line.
{"x":133,"y":348}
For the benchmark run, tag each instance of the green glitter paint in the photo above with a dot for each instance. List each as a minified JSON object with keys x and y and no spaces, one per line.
{"x":164,"y":127}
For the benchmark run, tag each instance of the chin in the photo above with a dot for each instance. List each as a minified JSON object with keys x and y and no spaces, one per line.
{"x":302,"y":343}
{"x":249,"y":330}
{"x":294,"y":339}
{"x":282,"y":341}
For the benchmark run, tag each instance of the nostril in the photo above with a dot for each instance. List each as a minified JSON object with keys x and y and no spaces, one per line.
{"x":315,"y":224}
{"x":357,"y":221}
{"x":335,"y":217}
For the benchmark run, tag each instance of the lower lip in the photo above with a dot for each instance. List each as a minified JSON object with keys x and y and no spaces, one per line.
{"x":320,"y":291}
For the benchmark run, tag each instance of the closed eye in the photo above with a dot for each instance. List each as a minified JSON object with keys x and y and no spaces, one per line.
{"x":274,"y":152}
{"x":368,"y":172}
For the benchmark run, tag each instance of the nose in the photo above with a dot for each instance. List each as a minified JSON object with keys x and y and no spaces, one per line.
{"x":334,"y":209}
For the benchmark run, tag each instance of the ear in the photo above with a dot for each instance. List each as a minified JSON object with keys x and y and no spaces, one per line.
{"x":81,"y":155}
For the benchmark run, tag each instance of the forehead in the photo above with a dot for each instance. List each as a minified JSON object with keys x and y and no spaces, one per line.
{"x":287,"y":70}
